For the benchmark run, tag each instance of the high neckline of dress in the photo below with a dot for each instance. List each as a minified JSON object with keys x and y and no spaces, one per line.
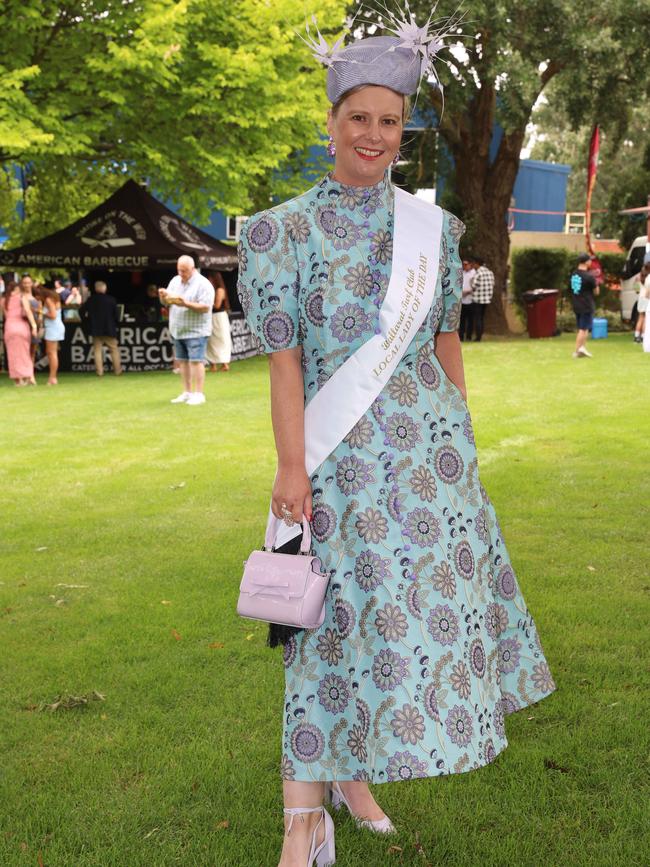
{"x":374,"y":190}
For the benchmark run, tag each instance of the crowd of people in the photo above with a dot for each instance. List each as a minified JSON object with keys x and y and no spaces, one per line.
{"x":198,"y":309}
{"x":33,"y":324}
{"x":33,"y":315}
{"x":583,"y":289}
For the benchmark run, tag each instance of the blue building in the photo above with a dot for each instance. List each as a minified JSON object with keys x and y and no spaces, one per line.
{"x":539,"y":186}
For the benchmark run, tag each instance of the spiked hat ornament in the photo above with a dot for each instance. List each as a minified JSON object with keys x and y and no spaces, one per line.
{"x":399,"y":61}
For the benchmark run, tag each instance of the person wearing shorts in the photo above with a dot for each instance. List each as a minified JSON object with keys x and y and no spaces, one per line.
{"x":190,"y":297}
{"x":583,"y":288}
{"x":190,"y":348}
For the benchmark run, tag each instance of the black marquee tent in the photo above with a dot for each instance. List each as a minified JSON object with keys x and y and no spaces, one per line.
{"x":130,"y":231}
{"x":132,"y":241}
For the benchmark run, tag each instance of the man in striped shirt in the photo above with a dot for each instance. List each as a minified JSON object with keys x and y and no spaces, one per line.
{"x":190,"y":297}
{"x":482,"y":292}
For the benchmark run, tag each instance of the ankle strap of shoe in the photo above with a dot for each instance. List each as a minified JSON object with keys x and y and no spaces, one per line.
{"x":296,"y":811}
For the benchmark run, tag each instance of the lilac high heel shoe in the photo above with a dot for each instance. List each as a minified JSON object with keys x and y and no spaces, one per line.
{"x":322,"y":855}
{"x":337,"y":798}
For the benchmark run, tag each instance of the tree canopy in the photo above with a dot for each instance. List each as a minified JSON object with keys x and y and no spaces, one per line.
{"x":595,"y":55}
{"x":207,"y":100}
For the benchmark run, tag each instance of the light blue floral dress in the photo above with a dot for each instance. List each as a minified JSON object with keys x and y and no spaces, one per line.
{"x":427,"y":642}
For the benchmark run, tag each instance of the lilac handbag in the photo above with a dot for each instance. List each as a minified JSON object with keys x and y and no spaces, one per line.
{"x":284,"y":588}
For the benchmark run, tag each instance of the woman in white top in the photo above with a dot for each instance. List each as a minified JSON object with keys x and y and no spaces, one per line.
{"x":54,"y":332}
{"x":220,"y":342}
{"x":643,"y":284}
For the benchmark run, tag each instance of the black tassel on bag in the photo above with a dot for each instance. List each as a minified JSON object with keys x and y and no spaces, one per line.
{"x":278,"y":632}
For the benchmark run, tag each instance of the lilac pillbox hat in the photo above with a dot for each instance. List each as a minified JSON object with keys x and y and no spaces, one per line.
{"x":378,"y":60}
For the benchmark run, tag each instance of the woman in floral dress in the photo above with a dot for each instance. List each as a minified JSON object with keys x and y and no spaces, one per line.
{"x":427,"y":642}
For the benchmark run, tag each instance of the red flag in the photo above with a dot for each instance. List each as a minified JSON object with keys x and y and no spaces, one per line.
{"x":592,"y":169}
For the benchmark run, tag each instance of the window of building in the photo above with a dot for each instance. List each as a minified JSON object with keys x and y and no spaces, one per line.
{"x":233,"y":229}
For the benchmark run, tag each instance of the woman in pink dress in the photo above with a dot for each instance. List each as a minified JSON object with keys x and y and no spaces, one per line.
{"x":20,"y":326}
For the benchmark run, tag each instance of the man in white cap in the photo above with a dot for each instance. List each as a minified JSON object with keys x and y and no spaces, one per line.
{"x":190,"y":297}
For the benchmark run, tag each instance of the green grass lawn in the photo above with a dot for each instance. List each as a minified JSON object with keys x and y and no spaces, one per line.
{"x":150,"y":509}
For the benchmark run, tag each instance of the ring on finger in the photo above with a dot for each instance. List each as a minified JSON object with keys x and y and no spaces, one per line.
{"x":287,"y":517}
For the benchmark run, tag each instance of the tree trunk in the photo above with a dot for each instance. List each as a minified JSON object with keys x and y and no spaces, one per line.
{"x":485,"y":190}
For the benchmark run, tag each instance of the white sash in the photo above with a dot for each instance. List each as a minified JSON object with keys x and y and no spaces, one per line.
{"x":332,"y":413}
{"x":346,"y":396}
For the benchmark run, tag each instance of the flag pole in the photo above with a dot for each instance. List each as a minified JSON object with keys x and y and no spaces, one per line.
{"x":592,"y":170}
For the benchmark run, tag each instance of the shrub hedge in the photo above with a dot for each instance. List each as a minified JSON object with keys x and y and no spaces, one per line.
{"x":536,"y":268}
{"x":551,"y":267}
{"x":613,"y":264}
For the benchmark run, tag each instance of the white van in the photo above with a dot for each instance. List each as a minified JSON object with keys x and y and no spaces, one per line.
{"x":633,"y":264}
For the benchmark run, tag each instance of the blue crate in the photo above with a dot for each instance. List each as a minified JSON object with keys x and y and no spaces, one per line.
{"x":599,"y":329}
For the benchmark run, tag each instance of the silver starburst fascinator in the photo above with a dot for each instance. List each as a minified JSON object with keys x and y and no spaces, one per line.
{"x":399,"y":61}
{"x":326,"y":54}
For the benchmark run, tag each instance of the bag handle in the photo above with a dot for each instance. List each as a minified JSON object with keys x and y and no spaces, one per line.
{"x":273,"y":528}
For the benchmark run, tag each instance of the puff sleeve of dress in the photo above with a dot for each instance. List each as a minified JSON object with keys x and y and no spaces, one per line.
{"x":269,"y":284}
{"x":451,"y":272}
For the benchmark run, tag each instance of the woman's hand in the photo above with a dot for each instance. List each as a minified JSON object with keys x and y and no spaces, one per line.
{"x":292,"y":488}
{"x":34,"y":331}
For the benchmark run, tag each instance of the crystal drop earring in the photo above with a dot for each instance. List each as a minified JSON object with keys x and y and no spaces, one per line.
{"x":331,"y":147}
{"x":396,"y":158}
